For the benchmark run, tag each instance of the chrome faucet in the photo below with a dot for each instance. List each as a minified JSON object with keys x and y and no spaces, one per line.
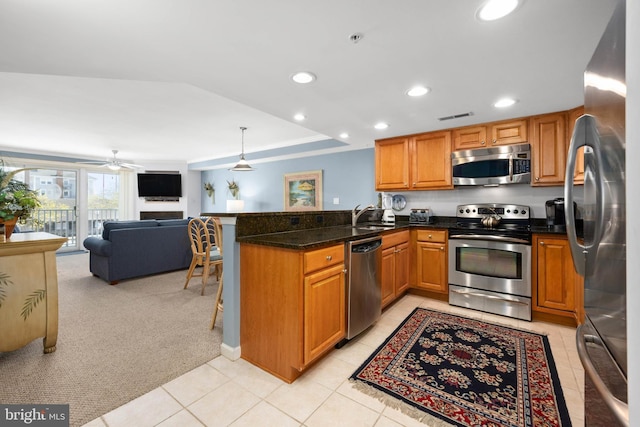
{"x":355,"y":216}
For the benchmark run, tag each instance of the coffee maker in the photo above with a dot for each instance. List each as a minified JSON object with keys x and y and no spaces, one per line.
{"x":555,"y":213}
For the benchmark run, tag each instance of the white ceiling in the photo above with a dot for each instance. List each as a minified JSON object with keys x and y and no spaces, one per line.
{"x":175,"y":79}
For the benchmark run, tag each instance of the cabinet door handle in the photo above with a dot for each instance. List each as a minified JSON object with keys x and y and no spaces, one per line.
{"x":430,"y":236}
{"x":442,"y":248}
{"x":537,"y":178}
{"x":482,"y":142}
{"x":494,"y":142}
{"x":329,"y":257}
{"x":541,"y":243}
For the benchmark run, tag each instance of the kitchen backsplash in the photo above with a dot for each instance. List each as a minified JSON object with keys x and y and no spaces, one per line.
{"x":443,"y":203}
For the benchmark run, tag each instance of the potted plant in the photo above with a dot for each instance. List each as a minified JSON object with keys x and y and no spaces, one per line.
{"x":17,"y":200}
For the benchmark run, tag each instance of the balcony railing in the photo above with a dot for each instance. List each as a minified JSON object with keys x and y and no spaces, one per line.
{"x":62,"y":222}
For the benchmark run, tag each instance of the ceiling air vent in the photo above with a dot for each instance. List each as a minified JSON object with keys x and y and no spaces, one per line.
{"x":456,"y":116}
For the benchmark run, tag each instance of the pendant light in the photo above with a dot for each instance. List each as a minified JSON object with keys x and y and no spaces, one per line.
{"x":242,"y":165}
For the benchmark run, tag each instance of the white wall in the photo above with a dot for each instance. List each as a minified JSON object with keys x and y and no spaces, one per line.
{"x":190,"y":201}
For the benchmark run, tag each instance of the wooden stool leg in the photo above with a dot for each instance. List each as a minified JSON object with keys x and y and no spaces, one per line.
{"x":217,"y":304}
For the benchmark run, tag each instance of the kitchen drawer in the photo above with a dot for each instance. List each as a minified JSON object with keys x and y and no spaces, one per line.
{"x":439,"y":236}
{"x":321,"y":258}
{"x":394,"y":239}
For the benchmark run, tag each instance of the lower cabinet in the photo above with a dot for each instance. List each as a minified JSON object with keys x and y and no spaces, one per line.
{"x":395,"y":265}
{"x":557,"y":288}
{"x":431,"y":260}
{"x":293,"y":306}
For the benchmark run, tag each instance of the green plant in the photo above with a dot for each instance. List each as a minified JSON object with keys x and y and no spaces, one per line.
{"x":16,"y":198}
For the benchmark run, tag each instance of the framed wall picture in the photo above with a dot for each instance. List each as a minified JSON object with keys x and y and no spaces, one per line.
{"x":303,"y":191}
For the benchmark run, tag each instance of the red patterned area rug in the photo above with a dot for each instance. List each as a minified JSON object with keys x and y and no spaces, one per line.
{"x":451,"y":370}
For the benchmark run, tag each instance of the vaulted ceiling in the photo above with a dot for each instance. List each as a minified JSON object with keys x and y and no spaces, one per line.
{"x":175,"y":79}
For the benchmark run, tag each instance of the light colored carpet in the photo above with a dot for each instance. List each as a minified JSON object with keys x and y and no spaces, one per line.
{"x":115,"y":343}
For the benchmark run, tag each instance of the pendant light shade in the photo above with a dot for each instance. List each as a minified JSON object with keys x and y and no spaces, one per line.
{"x":242,"y":165}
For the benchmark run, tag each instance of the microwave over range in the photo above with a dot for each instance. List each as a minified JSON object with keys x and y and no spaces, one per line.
{"x":504,"y":164}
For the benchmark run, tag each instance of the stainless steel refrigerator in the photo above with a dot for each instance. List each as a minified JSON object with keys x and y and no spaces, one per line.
{"x":599,"y":252}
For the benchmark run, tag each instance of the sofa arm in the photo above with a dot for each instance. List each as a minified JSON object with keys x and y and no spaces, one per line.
{"x":98,"y":246}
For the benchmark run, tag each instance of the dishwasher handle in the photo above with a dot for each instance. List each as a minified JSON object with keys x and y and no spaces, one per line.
{"x":366,"y":246}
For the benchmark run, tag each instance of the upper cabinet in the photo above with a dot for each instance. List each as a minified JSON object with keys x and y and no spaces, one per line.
{"x":392,"y":164}
{"x":417,"y":162}
{"x":423,"y":161}
{"x":548,"y":149}
{"x":498,"y":133}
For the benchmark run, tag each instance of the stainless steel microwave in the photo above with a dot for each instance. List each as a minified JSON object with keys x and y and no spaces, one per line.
{"x":504,"y":164}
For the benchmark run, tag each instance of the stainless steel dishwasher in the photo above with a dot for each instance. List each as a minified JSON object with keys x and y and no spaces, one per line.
{"x":364,"y":260}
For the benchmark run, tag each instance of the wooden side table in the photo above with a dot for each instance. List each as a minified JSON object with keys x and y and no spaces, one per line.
{"x":29,"y":290}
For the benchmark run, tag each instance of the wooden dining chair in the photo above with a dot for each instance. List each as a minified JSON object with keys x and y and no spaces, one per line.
{"x":205,"y":252}
{"x":214,"y":222}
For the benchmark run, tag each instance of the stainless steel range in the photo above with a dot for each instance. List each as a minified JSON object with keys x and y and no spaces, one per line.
{"x":490,"y":259}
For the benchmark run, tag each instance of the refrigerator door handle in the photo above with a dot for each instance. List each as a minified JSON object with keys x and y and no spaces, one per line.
{"x":585,"y":134}
{"x":618,"y":407}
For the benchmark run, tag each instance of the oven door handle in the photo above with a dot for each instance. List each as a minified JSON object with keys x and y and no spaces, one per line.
{"x":489,"y":237}
{"x":477,"y":294}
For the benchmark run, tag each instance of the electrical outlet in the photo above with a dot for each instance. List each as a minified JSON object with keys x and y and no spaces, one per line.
{"x":295,"y":220}
{"x":336,"y":200}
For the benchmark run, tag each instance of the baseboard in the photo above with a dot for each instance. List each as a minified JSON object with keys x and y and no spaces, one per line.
{"x":231,"y":353}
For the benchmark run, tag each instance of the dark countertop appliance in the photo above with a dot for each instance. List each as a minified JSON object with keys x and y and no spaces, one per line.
{"x":555,"y":213}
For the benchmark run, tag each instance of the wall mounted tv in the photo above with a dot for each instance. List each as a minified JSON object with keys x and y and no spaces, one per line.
{"x":160,"y":185}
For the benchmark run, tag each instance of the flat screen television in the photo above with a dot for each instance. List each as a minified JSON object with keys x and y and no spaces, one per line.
{"x":159,"y":185}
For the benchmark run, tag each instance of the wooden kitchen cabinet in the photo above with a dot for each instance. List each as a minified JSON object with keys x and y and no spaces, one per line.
{"x":431,"y":260}
{"x":431,"y":161}
{"x":417,"y":162}
{"x":558,"y":289}
{"x":392,"y":164}
{"x":549,"y":149}
{"x":293,"y":306}
{"x":573,"y":115}
{"x":395,"y":266}
{"x":491,"y":134}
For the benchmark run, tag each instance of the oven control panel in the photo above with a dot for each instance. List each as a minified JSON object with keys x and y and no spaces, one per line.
{"x":481,"y":210}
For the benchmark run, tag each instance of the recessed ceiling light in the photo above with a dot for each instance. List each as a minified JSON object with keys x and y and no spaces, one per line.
{"x":299,"y":117}
{"x":418,"y":91}
{"x":496,"y":9}
{"x":381,"y":125}
{"x":303,"y":77}
{"x":344,"y":135}
{"x":504,"y":102}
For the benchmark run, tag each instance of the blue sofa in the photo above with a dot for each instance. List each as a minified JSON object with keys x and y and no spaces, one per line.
{"x":130,"y":249}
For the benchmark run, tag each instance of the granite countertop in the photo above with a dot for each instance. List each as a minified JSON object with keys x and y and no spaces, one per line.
{"x":325,"y":236}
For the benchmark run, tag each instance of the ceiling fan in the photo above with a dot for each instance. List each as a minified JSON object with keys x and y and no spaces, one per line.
{"x":115,"y":164}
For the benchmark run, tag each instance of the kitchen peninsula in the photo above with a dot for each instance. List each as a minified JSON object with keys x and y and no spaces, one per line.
{"x":275,"y":261}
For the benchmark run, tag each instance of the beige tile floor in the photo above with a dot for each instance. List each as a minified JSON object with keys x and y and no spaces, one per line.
{"x":226,"y":393}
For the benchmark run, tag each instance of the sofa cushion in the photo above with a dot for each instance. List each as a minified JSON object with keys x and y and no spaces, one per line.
{"x":116,"y":225}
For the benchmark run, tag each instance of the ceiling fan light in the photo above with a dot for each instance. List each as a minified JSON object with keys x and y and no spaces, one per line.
{"x":242,"y":165}
{"x":114,"y":167}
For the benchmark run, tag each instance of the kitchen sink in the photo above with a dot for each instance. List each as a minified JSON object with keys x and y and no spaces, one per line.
{"x":373,"y":227}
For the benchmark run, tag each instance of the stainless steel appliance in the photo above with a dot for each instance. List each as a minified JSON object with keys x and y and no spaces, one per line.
{"x":601,"y":257}
{"x":364,"y":261}
{"x":505,"y":164}
{"x":420,"y":216}
{"x":490,"y":261}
